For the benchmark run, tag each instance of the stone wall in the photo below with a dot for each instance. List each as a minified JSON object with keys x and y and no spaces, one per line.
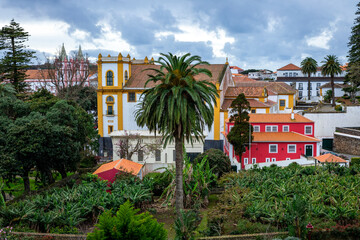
{"x":347,"y":140}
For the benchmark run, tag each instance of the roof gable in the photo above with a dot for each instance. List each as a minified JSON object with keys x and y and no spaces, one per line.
{"x":290,"y":66}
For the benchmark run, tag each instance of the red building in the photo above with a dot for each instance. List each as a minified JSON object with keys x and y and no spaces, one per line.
{"x":279,"y":138}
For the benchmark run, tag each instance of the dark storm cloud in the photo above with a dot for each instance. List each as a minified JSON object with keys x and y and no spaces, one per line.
{"x":265,"y":32}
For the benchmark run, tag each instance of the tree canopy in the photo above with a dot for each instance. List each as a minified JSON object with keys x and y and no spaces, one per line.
{"x":331,"y":66}
{"x":16,"y":58}
{"x":239,"y":135}
{"x":308,"y":66}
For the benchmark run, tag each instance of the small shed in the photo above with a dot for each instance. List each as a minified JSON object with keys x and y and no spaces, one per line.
{"x":108,"y":171}
{"x":330,"y":158}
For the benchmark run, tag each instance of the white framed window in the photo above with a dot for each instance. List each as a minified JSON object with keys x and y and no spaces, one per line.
{"x":246,"y":160}
{"x":256,"y":128}
{"x":268,"y":129}
{"x":287,"y":159}
{"x":253,"y":160}
{"x":271,"y":128}
{"x":274,"y":128}
{"x":291,"y":148}
{"x":267,"y":159}
{"x":273,"y":159}
{"x":273,"y":148}
{"x":286,"y":128}
{"x":308,"y":130}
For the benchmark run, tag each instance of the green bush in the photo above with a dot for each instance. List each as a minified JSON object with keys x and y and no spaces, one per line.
{"x":186,"y":225}
{"x":218,"y":161}
{"x":355,"y":161}
{"x":127,"y":224}
{"x":338,"y":108}
{"x":245,"y":226}
{"x":160,"y":181}
{"x":328,"y":96}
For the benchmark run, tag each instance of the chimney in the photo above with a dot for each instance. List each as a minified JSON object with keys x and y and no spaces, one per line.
{"x":292,"y":116}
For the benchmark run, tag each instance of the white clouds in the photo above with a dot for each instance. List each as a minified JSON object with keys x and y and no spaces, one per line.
{"x":273,"y":24}
{"x":80,"y":35}
{"x":193,"y":33}
{"x":322,"y":40}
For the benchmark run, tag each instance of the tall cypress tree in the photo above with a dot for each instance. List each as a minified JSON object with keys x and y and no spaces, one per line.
{"x":15,"y":57}
{"x":353,"y":69}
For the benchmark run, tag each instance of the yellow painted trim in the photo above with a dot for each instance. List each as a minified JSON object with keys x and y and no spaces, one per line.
{"x":261,"y":99}
{"x":110,"y":129}
{"x":107,"y":109}
{"x":109,"y":102}
{"x":106,"y":77}
{"x":291,"y":102}
{"x":129,"y":70}
{"x":99,"y":72}
{"x":120,"y":75}
{"x":217,"y":118}
{"x":252,"y":110}
{"x":225,"y":117}
{"x":120,"y":112}
{"x":128,"y":96}
{"x":100,"y":114}
{"x":267,"y":110}
{"x":320,"y":91}
{"x":280,"y":107}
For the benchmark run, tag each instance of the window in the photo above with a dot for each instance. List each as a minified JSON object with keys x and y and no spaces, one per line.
{"x":253,"y":160}
{"x":308,"y":130}
{"x":273,"y":159}
{"x":109,"y":99}
{"x":273,"y":148}
{"x":285,"y":74}
{"x":300,"y":94}
{"x":109,"y":78}
{"x":287,"y":159}
{"x":253,"y":110}
{"x":291,"y":148}
{"x":268,"y":129}
{"x":282,"y":103}
{"x":317,"y":93}
{"x":140,"y":155}
{"x":290,"y":74}
{"x":246,"y":160}
{"x":274,"y":128}
{"x":318,"y":86}
{"x":131,"y":97}
{"x":300,"y":86}
{"x":126,"y":75}
{"x":256,"y":128}
{"x":285,"y":128}
{"x":267,"y":159}
{"x":309,"y":86}
{"x":110,"y":110}
{"x":110,"y":129}
{"x":157,"y":155}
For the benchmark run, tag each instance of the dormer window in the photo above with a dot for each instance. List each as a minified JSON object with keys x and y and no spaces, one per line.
{"x":109,"y":78}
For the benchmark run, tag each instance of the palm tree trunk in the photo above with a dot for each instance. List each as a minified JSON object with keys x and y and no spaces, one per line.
{"x":179,"y":163}
{"x":333,"y":91}
{"x":309,"y":91}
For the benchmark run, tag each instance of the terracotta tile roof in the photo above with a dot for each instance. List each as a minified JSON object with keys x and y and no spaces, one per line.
{"x":236,"y":67}
{"x":277,"y":118}
{"x":250,"y":91}
{"x":336,"y":85}
{"x":330,"y":158}
{"x":122,"y":165}
{"x":274,"y":88}
{"x":37,"y":74}
{"x":282,"y":137}
{"x":344,"y":67}
{"x":139,"y":75}
{"x":289,"y":67}
{"x":242,"y":78}
{"x":253,"y":103}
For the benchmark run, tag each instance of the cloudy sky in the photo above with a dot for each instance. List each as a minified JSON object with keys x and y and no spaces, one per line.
{"x":252,"y":34}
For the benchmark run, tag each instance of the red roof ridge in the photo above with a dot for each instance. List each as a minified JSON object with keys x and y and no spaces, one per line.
{"x":290,"y":66}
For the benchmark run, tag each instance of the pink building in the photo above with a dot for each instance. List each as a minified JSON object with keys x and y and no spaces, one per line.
{"x":280,"y":138}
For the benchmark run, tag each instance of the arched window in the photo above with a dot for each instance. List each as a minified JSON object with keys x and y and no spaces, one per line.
{"x":109,"y":99}
{"x":109,"y":78}
{"x":126,"y":75}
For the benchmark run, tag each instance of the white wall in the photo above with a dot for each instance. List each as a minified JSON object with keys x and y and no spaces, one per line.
{"x":284,"y":163}
{"x":110,"y":120}
{"x":105,"y":68}
{"x":129,"y":108}
{"x":325,"y":123}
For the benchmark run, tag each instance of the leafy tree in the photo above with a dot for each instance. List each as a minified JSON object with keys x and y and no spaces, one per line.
{"x":128,"y":225}
{"x":331,"y":67}
{"x":7,"y":90}
{"x":218,"y":161}
{"x":16,"y":58}
{"x":352,"y":79}
{"x":308,"y":66}
{"x":179,"y":107}
{"x":239,"y":135}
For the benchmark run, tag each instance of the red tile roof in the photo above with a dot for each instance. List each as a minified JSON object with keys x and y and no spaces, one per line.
{"x":274,"y":88}
{"x":282,"y":137}
{"x":253,"y":103}
{"x":242,"y":78}
{"x":38,"y":74}
{"x":252,"y":91}
{"x":277,"y":118}
{"x":139,"y":75}
{"x":289,"y":67}
{"x":330,"y":158}
{"x":121,"y":165}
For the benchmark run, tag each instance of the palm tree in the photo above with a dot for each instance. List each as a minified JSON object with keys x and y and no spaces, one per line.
{"x":179,"y":107}
{"x":331,"y":66}
{"x":308,"y":66}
